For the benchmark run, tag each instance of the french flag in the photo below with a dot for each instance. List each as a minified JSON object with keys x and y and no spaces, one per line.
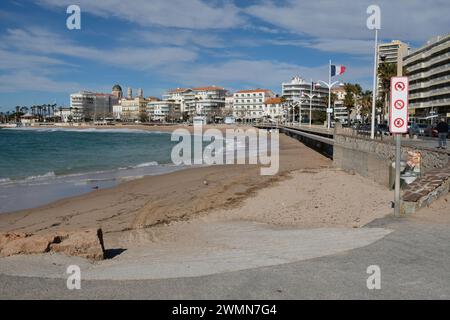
{"x":337,"y":70}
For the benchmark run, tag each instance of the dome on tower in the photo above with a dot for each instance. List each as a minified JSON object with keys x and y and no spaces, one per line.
{"x":117,"y":88}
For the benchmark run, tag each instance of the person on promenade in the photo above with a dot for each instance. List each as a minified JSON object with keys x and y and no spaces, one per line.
{"x":442,"y":129}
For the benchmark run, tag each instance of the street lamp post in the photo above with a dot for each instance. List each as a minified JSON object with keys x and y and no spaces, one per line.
{"x":329,"y":85}
{"x":311,"y":96}
{"x":299,"y":102}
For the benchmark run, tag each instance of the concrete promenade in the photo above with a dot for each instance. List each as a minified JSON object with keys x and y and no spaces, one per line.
{"x":414,"y":261}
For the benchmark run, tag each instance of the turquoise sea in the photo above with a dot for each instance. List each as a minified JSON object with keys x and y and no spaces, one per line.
{"x":38,"y":166}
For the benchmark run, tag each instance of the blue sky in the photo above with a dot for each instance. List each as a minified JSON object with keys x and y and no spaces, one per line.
{"x":162,"y":44}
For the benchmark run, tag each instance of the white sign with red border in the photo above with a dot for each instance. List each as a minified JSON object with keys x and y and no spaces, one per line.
{"x":398,"y":119}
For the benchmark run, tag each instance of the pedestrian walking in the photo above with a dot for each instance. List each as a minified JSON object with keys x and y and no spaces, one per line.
{"x":442,"y":129}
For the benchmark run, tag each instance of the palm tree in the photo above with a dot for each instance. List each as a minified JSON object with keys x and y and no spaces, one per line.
{"x":353,"y":96}
{"x":53,"y":106}
{"x":349,"y":99}
{"x":39,"y":109}
{"x":366,"y":103}
{"x":385,"y":72}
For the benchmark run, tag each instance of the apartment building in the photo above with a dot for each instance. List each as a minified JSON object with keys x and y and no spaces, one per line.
{"x":209,"y":102}
{"x":163,"y":110}
{"x":182,"y":97}
{"x":392,"y":52}
{"x":295,"y":89}
{"x":91,"y":105}
{"x":428,"y":69}
{"x":248,"y":105}
{"x":205,"y":101}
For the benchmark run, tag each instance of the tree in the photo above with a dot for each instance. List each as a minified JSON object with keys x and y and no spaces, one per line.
{"x":385,"y":72}
{"x":366,"y":103}
{"x":318,"y":116}
{"x":143,"y":116}
{"x":349,"y":99}
{"x":353,"y":97}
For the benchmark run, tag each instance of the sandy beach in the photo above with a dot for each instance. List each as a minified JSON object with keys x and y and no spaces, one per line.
{"x":306,"y":193}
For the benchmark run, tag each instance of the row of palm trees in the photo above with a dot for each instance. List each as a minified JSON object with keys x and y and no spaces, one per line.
{"x":41,"y":112}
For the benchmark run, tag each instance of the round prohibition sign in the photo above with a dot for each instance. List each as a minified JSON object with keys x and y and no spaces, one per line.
{"x":399,"y":122}
{"x":399,"y":86}
{"x":399,"y":104}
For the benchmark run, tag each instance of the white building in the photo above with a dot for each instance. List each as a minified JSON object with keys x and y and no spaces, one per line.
{"x":209,"y":102}
{"x":295,"y":89}
{"x":180,"y":96}
{"x":274,"y":109}
{"x":392,"y":52}
{"x":428,"y":69}
{"x":163,"y":111}
{"x":228,"y":110}
{"x":91,"y":105}
{"x":248,"y":105}
{"x":204,"y":101}
{"x":117,"y":111}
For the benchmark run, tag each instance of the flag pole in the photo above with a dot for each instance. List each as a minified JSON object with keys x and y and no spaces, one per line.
{"x":329,"y":97}
{"x":310,"y":102}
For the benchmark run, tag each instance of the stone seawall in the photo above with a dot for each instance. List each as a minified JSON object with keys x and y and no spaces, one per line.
{"x":373,"y":158}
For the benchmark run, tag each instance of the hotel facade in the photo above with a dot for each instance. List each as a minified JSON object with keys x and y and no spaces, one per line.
{"x":428,"y":69}
{"x":249,"y":105}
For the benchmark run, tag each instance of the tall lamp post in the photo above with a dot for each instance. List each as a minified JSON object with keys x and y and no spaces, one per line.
{"x":374,"y":23}
{"x":329,"y":85}
{"x":299,"y":102}
{"x":311,"y":96}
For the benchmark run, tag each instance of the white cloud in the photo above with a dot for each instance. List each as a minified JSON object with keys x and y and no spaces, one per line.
{"x":193,"y":14}
{"x":14,"y":60}
{"x":254,"y":73}
{"x":413,"y":20}
{"x":42,"y":41}
{"x":349,"y":46}
{"x":30,"y":81}
{"x":179,"y":37}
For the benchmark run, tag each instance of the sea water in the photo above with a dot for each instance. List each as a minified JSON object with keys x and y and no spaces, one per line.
{"x":38,"y":166}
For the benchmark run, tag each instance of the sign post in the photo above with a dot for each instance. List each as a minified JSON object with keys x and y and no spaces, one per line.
{"x":398,"y":124}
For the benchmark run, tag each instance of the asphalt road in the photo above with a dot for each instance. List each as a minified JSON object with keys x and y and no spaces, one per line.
{"x":414,"y":262}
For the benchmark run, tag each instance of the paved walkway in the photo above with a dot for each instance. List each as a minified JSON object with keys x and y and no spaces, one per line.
{"x":202,"y":248}
{"x":414,"y":261}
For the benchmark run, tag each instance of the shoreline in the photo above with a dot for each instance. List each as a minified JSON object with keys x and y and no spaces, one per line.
{"x":47,"y":187}
{"x":191,"y":222}
{"x":153,"y":200}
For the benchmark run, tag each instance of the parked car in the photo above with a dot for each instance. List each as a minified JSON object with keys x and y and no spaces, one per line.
{"x":382,"y":129}
{"x":418,"y":129}
{"x":364,"y":129}
{"x":431,"y":131}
